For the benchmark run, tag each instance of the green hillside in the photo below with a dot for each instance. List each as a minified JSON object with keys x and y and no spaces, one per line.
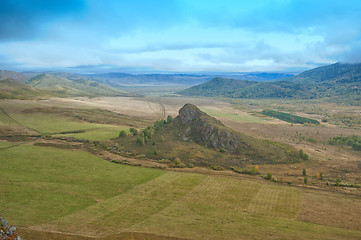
{"x":4,"y":74}
{"x":72,"y":88}
{"x":217,"y":87}
{"x":12,"y":89}
{"x":337,"y":81}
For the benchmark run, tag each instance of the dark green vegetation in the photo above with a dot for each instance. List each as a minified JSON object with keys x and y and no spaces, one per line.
{"x":195,"y":139}
{"x":337,"y":81}
{"x":289,"y":117}
{"x":353,"y":140}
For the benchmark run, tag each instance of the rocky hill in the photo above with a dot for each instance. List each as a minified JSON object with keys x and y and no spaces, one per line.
{"x":207,"y":130}
{"x":195,"y":138}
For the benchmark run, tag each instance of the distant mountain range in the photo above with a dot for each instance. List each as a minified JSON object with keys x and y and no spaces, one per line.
{"x":336,"y":80}
{"x":342,"y":81}
{"x":123,"y":79}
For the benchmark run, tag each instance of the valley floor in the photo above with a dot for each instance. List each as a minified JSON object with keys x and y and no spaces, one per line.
{"x":50,"y":192}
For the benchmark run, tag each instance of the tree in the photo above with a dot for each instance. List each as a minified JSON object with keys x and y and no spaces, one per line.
{"x":304,"y":172}
{"x":169,"y":119}
{"x":122,"y":133}
{"x":305,"y":180}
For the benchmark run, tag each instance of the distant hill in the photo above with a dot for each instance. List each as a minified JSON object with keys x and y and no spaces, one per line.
{"x":77,"y":87}
{"x":5,"y":74}
{"x":332,"y":81}
{"x":218,"y":86}
{"x":13,"y":89}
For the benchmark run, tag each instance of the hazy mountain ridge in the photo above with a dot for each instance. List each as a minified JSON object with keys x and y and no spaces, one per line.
{"x":13,"y":89}
{"x":6,"y":74}
{"x":218,"y":86}
{"x":125,"y":79}
{"x":336,"y":80}
{"x":76,"y":87}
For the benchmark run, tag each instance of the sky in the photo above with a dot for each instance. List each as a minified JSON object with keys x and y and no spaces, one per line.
{"x":178,"y":35}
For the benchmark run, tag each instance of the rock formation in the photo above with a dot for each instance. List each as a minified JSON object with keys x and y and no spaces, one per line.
{"x":205,"y":129}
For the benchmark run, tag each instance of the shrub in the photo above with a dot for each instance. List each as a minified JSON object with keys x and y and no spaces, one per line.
{"x":140,"y":140}
{"x":169,"y":119}
{"x":222,"y":150}
{"x":255,"y":169}
{"x":305,"y":180}
{"x":122,"y":133}
{"x":304,"y":172}
{"x":269,"y":176}
{"x":300,"y":153}
{"x":338,"y":182}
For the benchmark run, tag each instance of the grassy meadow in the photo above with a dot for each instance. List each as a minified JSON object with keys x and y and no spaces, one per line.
{"x":70,"y":191}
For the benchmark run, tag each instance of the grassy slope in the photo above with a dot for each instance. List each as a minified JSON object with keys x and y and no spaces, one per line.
{"x":74,"y":192}
{"x":40,"y":184}
{"x":52,"y":123}
{"x":72,"y":87}
{"x":12,"y":89}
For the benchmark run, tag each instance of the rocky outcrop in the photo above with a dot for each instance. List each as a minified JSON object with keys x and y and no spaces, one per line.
{"x":207,"y":130}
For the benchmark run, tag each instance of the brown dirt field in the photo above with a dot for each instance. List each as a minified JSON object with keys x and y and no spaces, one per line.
{"x":331,"y":209}
{"x":30,"y":234}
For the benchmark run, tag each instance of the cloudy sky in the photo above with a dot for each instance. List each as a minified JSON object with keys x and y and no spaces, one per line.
{"x":179,"y":35}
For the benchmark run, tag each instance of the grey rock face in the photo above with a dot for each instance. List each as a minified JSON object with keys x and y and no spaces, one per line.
{"x":208,"y":130}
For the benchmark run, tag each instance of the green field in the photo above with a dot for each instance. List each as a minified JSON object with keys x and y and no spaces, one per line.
{"x":234,"y":116}
{"x":105,"y":132}
{"x":40,"y":184}
{"x":49,"y":124}
{"x":74,"y":192}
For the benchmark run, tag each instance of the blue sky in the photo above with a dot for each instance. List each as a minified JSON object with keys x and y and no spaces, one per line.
{"x":179,"y":35}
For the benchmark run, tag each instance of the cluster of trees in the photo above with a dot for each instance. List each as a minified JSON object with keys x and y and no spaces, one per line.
{"x":303,"y":155}
{"x":353,"y":140}
{"x":289,"y":117}
{"x":148,"y":133}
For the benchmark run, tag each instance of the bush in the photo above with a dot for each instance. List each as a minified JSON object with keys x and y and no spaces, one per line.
{"x":140,"y":140}
{"x":169,"y":119}
{"x":122,"y":133}
{"x":338,"y":182}
{"x":268,"y":176}
{"x":305,"y":180}
{"x":222,"y":150}
{"x":304,"y":172}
